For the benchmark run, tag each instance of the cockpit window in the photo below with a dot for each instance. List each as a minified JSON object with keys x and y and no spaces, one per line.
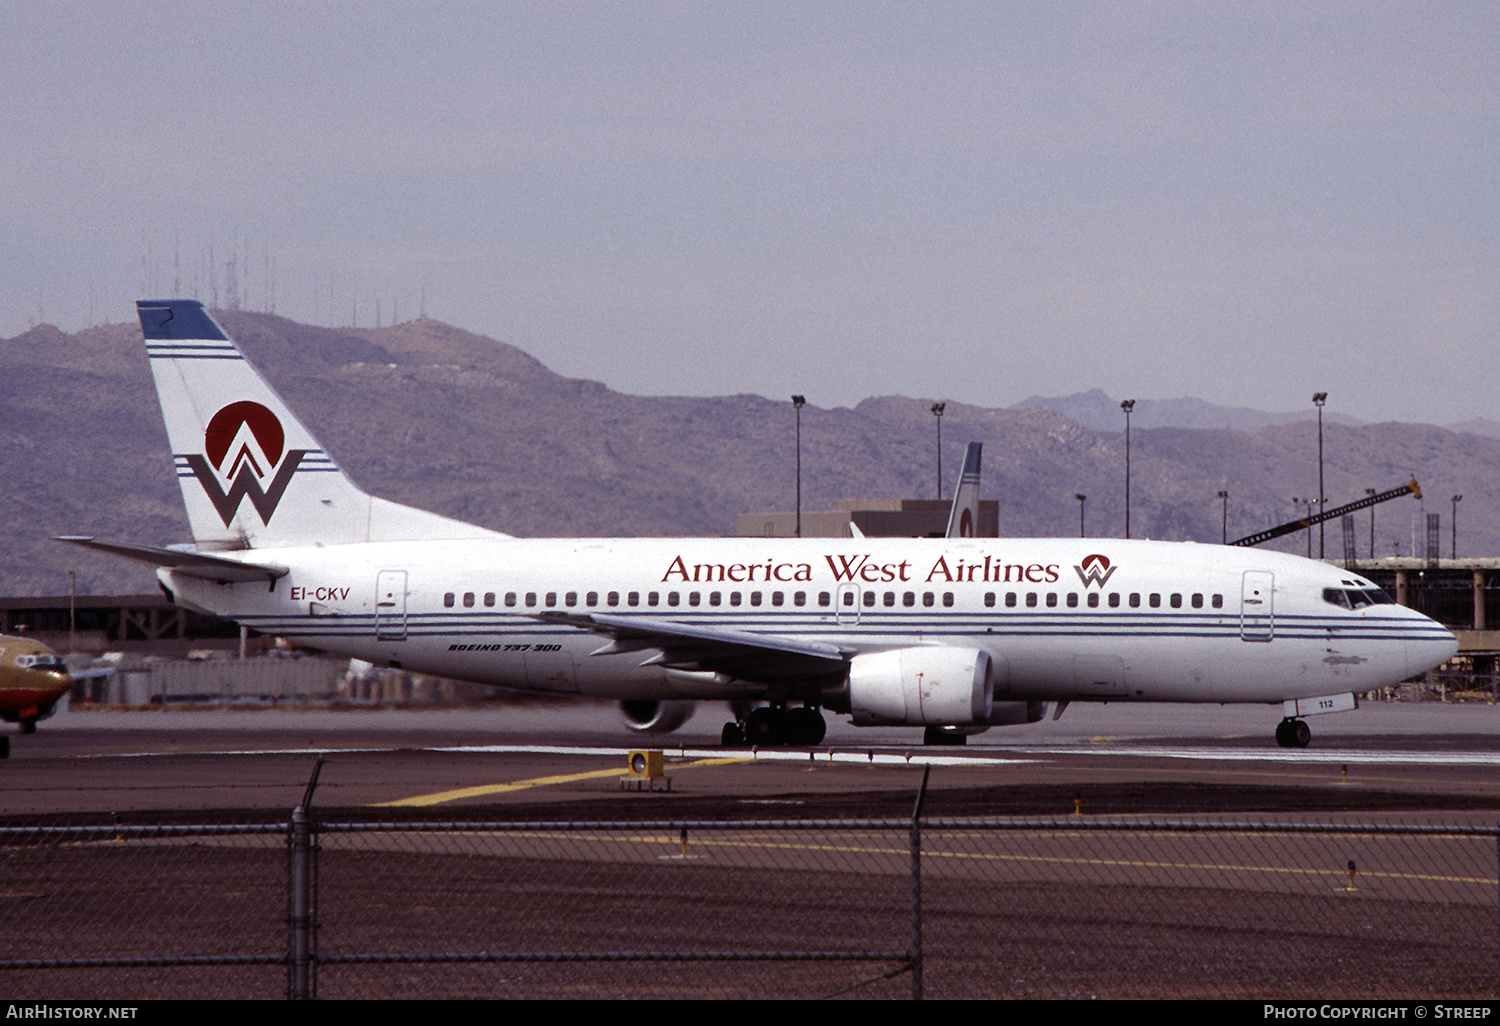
{"x":1337,"y":596}
{"x":1356,"y":598}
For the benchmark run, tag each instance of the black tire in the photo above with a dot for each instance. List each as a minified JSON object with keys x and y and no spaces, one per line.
{"x":805,"y":727}
{"x":1300,"y":734}
{"x":764,"y":728}
{"x":733,"y":735}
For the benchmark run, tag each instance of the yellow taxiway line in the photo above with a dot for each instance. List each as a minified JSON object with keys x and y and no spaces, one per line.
{"x":439,"y":797}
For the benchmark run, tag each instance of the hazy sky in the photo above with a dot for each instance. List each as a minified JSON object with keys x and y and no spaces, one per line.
{"x":1245,"y":202}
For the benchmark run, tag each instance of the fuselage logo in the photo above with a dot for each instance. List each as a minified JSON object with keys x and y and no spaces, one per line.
{"x":1094,"y":569}
{"x":244,"y":448}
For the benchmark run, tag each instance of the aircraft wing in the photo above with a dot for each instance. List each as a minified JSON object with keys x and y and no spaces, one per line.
{"x":195,"y":564}
{"x":756,"y":657}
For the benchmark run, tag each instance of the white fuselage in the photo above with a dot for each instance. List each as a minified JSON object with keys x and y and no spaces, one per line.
{"x":1151,"y":621}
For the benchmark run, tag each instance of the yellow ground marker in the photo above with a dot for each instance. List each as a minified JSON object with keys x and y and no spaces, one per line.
{"x":438,"y":798}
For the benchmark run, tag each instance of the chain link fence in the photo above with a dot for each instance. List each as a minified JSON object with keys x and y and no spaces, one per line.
{"x":862,"y":908}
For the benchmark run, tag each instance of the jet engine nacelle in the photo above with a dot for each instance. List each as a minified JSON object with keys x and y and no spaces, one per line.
{"x":927,"y":686}
{"x":649,"y":717}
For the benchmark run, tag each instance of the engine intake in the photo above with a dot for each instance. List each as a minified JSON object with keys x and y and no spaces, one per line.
{"x":651,"y":717}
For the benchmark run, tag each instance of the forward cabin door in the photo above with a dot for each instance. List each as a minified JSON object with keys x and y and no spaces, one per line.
{"x":390,"y":605}
{"x":1257,"y":612}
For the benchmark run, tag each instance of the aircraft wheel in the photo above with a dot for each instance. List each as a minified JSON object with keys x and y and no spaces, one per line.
{"x":805,"y":726}
{"x":1293,"y":734}
{"x":4,"y":747}
{"x":939,"y":736}
{"x":28,"y":726}
{"x":1300,"y":734}
{"x":764,"y":728}
{"x":733,"y":735}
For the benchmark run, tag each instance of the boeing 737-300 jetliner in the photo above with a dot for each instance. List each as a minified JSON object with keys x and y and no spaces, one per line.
{"x":953,"y":634}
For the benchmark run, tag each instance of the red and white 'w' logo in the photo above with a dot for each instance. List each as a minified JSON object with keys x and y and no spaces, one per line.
{"x":1094,"y":569}
{"x":244,"y":447}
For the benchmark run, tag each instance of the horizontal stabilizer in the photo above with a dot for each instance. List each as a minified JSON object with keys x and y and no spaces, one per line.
{"x":194,"y":564}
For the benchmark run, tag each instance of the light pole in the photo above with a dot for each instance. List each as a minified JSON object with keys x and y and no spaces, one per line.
{"x":798,"y":401}
{"x":1308,"y":502}
{"x":1127,"y":405}
{"x":1319,"y":398}
{"x":1082,"y":499}
{"x":1224,"y":536}
{"x":1371,"y":491}
{"x":937,"y":411}
{"x":1455,"y":525}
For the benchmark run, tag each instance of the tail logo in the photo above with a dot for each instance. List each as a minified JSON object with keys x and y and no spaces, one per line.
{"x":1094,"y":569}
{"x":245,"y":456}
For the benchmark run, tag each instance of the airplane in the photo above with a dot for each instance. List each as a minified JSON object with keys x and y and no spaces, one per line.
{"x":32,"y":681}
{"x":949,"y":634}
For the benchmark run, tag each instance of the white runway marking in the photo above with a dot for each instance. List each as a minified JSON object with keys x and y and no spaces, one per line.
{"x":902,"y":756}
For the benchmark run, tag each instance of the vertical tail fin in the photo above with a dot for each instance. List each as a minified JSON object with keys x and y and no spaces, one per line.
{"x":252,"y":474}
{"x":963,"y":520}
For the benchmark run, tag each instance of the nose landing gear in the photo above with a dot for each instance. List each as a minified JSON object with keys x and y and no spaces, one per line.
{"x":1292,"y":733}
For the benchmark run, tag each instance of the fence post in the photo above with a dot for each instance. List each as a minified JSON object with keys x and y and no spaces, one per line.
{"x":299,"y":969}
{"x":915,"y":841}
{"x":301,"y":981}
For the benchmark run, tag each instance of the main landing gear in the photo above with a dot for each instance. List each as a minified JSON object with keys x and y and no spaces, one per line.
{"x":1292,"y":733}
{"x":771,"y":725}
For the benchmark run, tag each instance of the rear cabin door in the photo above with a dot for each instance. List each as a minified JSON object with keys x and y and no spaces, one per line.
{"x":390,"y":605}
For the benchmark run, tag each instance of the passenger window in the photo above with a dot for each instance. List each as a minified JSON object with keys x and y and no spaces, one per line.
{"x":531,"y":598}
{"x":948,"y":598}
{"x":890,"y":599}
{"x":776,"y":598}
{"x":1197,"y":600}
{"x":1031,"y":598}
{"x":671,"y":598}
{"x":489,"y":598}
{"x":571,"y":599}
{"x":591,"y":599}
{"x":755,"y":598}
{"x":1093,"y":600}
{"x":633,"y":599}
{"x":989,"y":599}
{"x":468,"y":600}
{"x":693,"y":598}
{"x":613,"y":598}
{"x":824,"y":598}
{"x":869,"y":600}
{"x":1072,"y":600}
{"x":510,"y":598}
{"x":848,"y":598}
{"x":1218,"y":602}
{"x":449,"y":599}
{"x":1155,"y":600}
{"x":799,"y":598}
{"x":1135,"y":600}
{"x":652,"y":598}
{"x":1176,"y":600}
{"x":551,"y":598}
{"x":1051,"y":599}
{"x":1114,"y":600}
{"x":734,"y":598}
{"x":713,"y":598}
{"x":928,"y":598}
{"x":1010,"y":598}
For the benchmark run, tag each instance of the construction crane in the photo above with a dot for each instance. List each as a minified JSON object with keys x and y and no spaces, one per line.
{"x":1410,"y":488}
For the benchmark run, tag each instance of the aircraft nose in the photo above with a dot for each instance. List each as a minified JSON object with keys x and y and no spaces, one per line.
{"x":1435,"y":646}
